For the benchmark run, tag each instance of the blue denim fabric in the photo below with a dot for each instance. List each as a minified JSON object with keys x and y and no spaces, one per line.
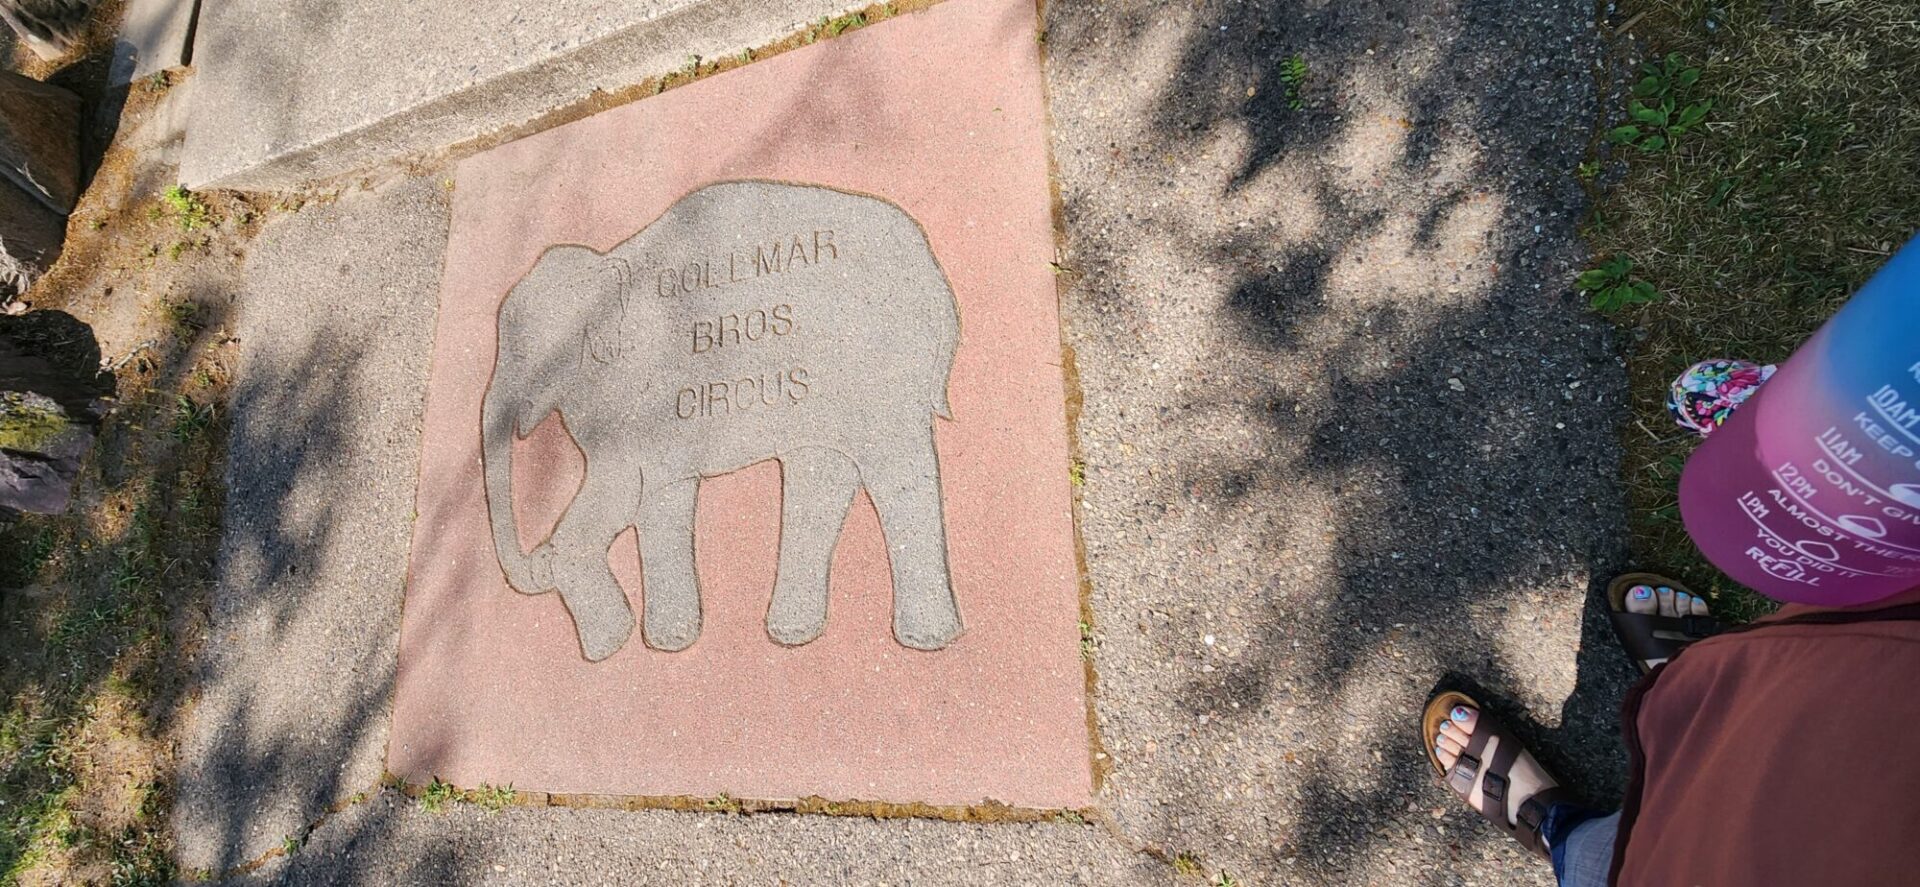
{"x":1581,"y":841}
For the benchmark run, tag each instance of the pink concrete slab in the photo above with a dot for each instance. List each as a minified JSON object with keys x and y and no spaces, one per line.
{"x":940,"y":112}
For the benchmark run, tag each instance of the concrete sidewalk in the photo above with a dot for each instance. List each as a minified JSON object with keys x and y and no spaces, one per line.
{"x":1345,"y":432}
{"x":293,"y":92}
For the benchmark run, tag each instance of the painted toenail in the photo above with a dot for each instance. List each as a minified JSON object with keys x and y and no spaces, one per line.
{"x":1665,"y":590}
{"x":1460,"y":713}
{"x":1642,"y":592}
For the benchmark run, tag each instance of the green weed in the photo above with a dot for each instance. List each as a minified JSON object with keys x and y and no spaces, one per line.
{"x":191,"y":419}
{"x":1612,"y":286}
{"x":494,"y":798}
{"x":188,"y":210}
{"x":1293,"y":73}
{"x":184,"y":317}
{"x":843,"y":24}
{"x":438,"y":795}
{"x":1662,"y":109}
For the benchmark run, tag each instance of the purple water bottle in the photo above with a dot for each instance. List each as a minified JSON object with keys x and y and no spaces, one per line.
{"x":1811,"y":490}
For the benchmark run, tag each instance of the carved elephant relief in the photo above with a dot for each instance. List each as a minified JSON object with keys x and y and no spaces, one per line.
{"x":752,"y":321}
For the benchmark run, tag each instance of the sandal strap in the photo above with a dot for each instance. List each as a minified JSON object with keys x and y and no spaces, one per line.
{"x":1494,"y":784}
{"x":1460,"y":777}
{"x":1533,"y":815}
{"x":1694,"y":627}
{"x":1651,"y":637}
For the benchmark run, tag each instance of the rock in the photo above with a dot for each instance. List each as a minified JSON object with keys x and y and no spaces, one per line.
{"x":52,"y":397}
{"x":40,"y":139}
{"x":41,"y":448}
{"x":49,"y":27}
{"x":30,"y":238}
{"x":40,"y":165}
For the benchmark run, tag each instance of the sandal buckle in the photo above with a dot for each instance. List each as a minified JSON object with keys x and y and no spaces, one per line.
{"x":1495,"y":787}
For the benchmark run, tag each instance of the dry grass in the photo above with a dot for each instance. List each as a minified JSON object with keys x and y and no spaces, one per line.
{"x":1805,"y":178}
{"x":99,"y":608}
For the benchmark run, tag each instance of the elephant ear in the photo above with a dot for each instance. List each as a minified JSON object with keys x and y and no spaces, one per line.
{"x":608,"y":284}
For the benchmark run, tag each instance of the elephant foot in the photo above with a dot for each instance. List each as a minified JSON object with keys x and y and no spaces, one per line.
{"x":795,"y":635}
{"x":601,"y":616}
{"x":673,"y":619}
{"x":672,"y":635}
{"x":929,"y":625}
{"x":603,"y":630}
{"x":796,"y":617}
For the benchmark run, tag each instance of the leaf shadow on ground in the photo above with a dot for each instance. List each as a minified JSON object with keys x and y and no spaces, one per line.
{"x":294,"y":687}
{"x":1445,"y":506}
{"x":110,"y":587}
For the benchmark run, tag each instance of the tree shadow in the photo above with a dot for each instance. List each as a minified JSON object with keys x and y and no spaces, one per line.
{"x":294,"y":687}
{"x":1389,"y":239}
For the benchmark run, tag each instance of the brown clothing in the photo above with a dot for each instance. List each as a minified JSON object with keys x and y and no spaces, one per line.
{"x":1784,"y":754}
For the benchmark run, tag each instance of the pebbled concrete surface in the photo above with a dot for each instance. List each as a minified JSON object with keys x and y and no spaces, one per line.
{"x":390,"y":840}
{"x":155,"y":36}
{"x":1347,"y":435}
{"x":1347,"y":432}
{"x":295,"y":686}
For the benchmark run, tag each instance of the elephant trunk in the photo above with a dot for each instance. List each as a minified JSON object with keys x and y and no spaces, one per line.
{"x":500,"y":424}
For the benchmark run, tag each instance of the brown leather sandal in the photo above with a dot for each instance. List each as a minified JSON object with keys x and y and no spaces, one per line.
{"x":1489,"y":770}
{"x":1650,"y":638}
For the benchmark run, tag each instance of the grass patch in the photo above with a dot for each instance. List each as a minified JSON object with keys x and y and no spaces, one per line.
{"x":843,"y":24}
{"x":494,"y":798}
{"x":1759,"y":222}
{"x":24,"y":552}
{"x":186,"y":208}
{"x":92,"y":647}
{"x":438,"y":795}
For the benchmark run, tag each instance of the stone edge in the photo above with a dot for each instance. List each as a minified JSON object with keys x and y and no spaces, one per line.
{"x":649,"y":49}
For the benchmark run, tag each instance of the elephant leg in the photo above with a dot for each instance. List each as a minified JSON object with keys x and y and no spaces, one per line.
{"x":601,"y":510}
{"x":666,"y":564}
{"x":903,"y":477}
{"x":817,"y":486}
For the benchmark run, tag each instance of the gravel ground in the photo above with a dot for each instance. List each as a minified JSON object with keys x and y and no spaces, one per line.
{"x":1346,"y":433}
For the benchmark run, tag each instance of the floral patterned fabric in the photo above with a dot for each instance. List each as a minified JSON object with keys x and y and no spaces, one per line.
{"x":1709,"y":391}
